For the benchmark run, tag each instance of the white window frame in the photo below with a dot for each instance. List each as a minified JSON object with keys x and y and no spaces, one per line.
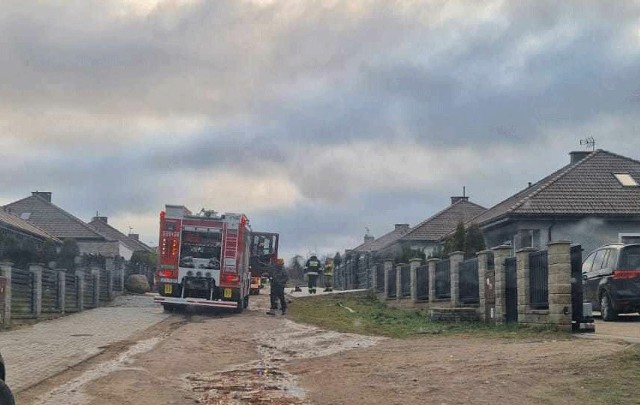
{"x":628,"y":234}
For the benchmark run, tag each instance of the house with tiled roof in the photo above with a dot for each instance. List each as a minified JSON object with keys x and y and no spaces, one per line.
{"x":428,"y":234}
{"x":11,"y":224}
{"x":39,"y":211}
{"x":593,"y":200}
{"x":384,"y":246}
{"x":131,"y":241}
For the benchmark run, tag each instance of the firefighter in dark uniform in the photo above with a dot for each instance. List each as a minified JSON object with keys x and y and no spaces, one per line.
{"x":312,"y":270}
{"x":279,"y":280}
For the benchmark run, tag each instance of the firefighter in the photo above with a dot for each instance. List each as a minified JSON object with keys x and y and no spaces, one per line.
{"x":312,"y":270}
{"x":328,"y":275}
{"x":279,"y":280}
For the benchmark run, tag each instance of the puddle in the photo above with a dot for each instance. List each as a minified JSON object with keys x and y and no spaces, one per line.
{"x":71,"y":393}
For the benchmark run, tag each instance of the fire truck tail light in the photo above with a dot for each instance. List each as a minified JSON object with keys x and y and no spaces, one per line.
{"x":626,"y":274}
{"x":166,"y":274}
{"x":230,"y":278}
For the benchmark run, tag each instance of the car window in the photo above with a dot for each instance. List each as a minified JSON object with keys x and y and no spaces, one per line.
{"x":599,"y":260}
{"x":611,"y":259}
{"x":630,"y":258}
{"x":586,"y":266}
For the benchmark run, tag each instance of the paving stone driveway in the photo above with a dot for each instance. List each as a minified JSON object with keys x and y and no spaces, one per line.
{"x":37,"y":352}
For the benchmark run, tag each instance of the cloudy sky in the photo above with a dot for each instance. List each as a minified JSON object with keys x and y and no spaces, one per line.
{"x":316,"y":118}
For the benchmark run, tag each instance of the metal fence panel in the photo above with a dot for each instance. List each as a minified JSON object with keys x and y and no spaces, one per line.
{"x":71,"y":287}
{"x":89,"y":287}
{"x":50,"y":290}
{"x":539,"y":280}
{"x":443,"y":279}
{"x":22,"y":293}
{"x":422,"y":282}
{"x":469,"y":290}
{"x":405,"y":280}
{"x":379,"y":269}
{"x":391,"y":281}
{"x":104,"y":285}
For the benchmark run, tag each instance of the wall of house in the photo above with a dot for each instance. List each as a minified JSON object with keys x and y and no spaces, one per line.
{"x":589,"y":232}
{"x":107,"y":249}
{"x":427,"y":247}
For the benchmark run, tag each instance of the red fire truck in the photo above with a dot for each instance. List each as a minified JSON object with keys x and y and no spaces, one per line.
{"x":203,"y":259}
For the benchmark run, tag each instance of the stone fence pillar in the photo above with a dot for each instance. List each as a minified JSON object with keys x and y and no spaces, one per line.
{"x":388,"y":265}
{"x":399,"y":281}
{"x":79,"y":274}
{"x":36,"y":271}
{"x":455,"y":259}
{"x":560,"y":311}
{"x":522,"y":274}
{"x":483,"y":258}
{"x":431,"y":263}
{"x":413,"y":265}
{"x":500,"y":254}
{"x":95,"y":273}
{"x":110,"y":268}
{"x":5,"y":271}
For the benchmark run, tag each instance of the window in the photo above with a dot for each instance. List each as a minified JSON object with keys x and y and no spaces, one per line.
{"x":626,"y":180}
{"x":601,"y":256}
{"x":25,"y":215}
{"x":586,"y":266}
{"x":527,"y":238}
{"x":628,"y":238}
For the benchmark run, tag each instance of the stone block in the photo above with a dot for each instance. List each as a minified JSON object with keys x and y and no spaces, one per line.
{"x":560,"y":289}
{"x":559,"y":299}
{"x":559,"y":259}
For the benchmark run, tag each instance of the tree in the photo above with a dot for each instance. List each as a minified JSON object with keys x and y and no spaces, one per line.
{"x":474,"y":241}
{"x":68,"y":253}
{"x":337,"y":260}
{"x":407,"y":254}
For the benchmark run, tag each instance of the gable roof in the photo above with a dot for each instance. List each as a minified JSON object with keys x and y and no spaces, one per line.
{"x":104,"y":228}
{"x":445,"y":221}
{"x":587,"y":187}
{"x":20,"y":225}
{"x":385,"y":240}
{"x":53,"y":219}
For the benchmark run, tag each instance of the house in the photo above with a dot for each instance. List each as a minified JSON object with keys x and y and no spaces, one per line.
{"x":11,"y":225}
{"x":385,"y":246}
{"x":129,"y":243}
{"x":593,"y":200}
{"x":39,"y":211}
{"x":428,"y":235}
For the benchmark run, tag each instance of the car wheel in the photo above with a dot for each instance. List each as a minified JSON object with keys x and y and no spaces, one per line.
{"x":6,"y":397}
{"x":168,"y":307}
{"x":608,"y":313}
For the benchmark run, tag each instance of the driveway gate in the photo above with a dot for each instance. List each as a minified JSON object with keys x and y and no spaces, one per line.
{"x":576,"y":287}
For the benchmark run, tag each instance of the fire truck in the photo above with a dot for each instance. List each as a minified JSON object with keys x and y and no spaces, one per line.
{"x":203,"y":259}
{"x":264,"y":253}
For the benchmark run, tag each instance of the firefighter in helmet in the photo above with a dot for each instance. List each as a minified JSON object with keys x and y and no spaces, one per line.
{"x":279,"y":280}
{"x":312,"y":270}
{"x":328,"y":274}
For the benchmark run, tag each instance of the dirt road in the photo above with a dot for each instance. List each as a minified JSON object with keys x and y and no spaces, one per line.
{"x":252,"y":358}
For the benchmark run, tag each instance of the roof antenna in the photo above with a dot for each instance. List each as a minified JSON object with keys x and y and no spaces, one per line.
{"x":589,"y":143}
{"x":464,"y":191}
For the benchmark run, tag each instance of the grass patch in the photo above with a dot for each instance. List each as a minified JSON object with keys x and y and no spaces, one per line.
{"x":613,"y":379}
{"x":373,"y":317}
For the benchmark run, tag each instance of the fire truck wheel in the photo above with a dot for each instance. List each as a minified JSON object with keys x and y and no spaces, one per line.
{"x":246,"y":302}
{"x":240,"y":306}
{"x":168,"y":307}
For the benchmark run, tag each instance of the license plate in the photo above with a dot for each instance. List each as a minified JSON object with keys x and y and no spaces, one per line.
{"x":168,"y":288}
{"x":227,"y":292}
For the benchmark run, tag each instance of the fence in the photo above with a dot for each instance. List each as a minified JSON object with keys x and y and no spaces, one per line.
{"x":391,"y":282}
{"x":405,"y":280}
{"x":39,"y":290}
{"x":443,"y":279}
{"x":379,"y":274}
{"x":422,"y":283}
{"x":539,"y":280}
{"x":469,"y":292}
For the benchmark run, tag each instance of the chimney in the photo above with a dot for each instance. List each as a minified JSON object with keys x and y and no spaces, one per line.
{"x":368,"y":238}
{"x":577,"y":156}
{"x":102,"y":219}
{"x":45,"y":195}
{"x":402,"y":226}
{"x":135,"y":236}
{"x":459,"y":198}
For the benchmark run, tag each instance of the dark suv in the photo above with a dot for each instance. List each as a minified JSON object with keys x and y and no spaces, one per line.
{"x":6,"y":397}
{"x":612,"y":279}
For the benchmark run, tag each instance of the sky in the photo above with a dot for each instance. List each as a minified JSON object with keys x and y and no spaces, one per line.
{"x":318,"y":119}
